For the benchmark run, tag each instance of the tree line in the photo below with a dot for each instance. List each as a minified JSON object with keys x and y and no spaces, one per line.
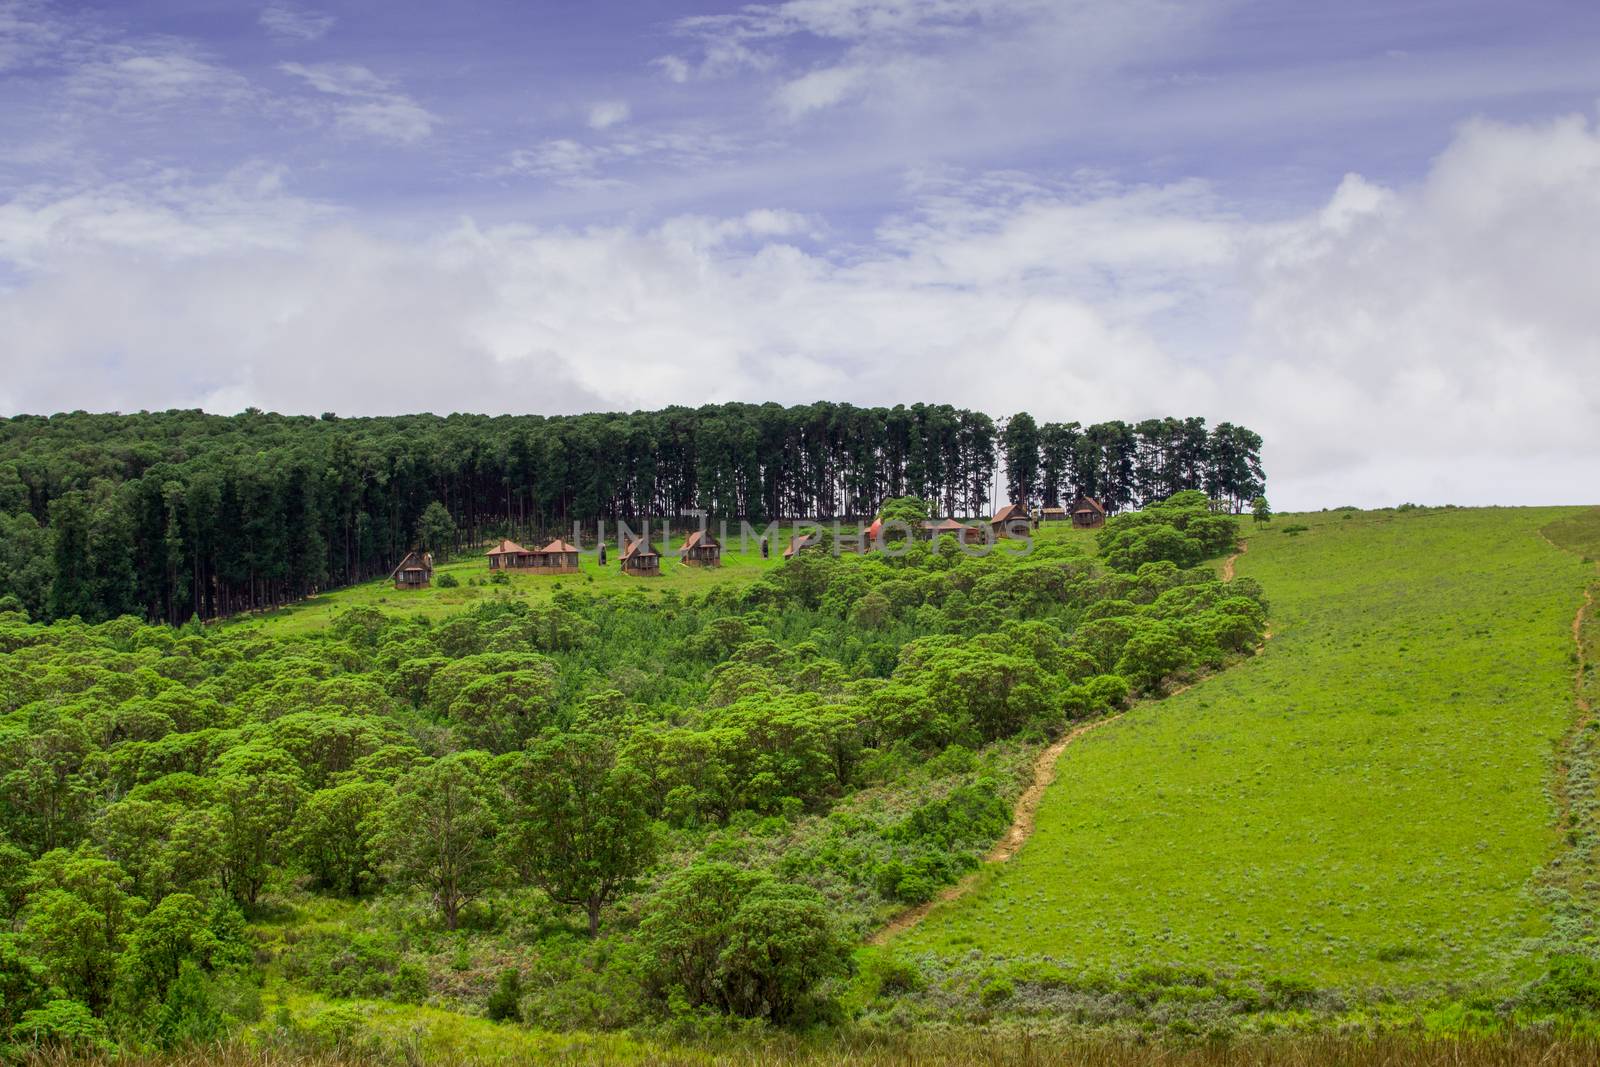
{"x":180,"y":514}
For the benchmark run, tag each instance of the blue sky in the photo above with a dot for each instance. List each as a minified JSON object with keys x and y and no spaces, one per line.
{"x":1355,"y":226}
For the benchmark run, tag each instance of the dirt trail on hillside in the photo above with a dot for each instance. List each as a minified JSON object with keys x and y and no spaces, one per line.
{"x":1585,"y":711}
{"x":1585,"y":716}
{"x":1227,"y":564}
{"x":1022,"y":824}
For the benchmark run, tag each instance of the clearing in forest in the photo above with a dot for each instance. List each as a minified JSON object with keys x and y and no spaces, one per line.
{"x":1366,"y":803}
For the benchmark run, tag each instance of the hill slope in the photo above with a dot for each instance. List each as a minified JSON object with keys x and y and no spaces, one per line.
{"x":1366,"y":803}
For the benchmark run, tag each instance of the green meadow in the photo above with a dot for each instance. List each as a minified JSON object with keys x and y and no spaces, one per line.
{"x":471,"y":570}
{"x":1367,"y":803}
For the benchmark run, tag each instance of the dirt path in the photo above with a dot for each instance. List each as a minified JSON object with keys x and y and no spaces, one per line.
{"x":1584,"y":717}
{"x":1227,"y":564}
{"x":1022,"y":823}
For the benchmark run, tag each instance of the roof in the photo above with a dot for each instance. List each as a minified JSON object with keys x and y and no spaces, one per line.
{"x":1010,"y":512}
{"x":413,"y":561}
{"x":1088,"y":503}
{"x":699,"y":539}
{"x":638,"y":547}
{"x":558,"y":546}
{"x":505,"y":548}
{"x":872,"y":532}
{"x":944,"y":526}
{"x":798,"y":542}
{"x":1055,"y":511}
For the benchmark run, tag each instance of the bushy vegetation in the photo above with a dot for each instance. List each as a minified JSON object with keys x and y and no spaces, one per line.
{"x":644,"y":807}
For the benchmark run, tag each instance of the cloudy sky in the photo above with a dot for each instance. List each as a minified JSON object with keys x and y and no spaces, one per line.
{"x":1368,"y":229}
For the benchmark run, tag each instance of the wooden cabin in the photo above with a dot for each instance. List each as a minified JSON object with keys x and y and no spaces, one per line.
{"x":414,"y":572}
{"x":1011,"y":521}
{"x":640,"y":559}
{"x":1087,"y":512}
{"x":557,"y":557}
{"x":700,"y":549}
{"x":1054,"y":515}
{"x":799,"y":543}
{"x":509,"y":556}
{"x":934,"y":530}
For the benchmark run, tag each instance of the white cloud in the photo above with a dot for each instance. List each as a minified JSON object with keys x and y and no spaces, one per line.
{"x":607,"y":113}
{"x":290,"y":23}
{"x":580,"y":164}
{"x":1435,"y":342}
{"x":819,"y":89}
{"x":153,"y":73}
{"x":371,"y":105}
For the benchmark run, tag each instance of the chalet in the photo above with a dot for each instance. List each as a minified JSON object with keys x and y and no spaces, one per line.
{"x":1088,"y":512}
{"x":871,"y":537}
{"x":700,"y":549}
{"x":950,"y":527}
{"x":557,"y":557}
{"x":799,"y":543}
{"x":414,"y":572}
{"x":509,"y":556}
{"x":641,"y":559}
{"x":1053,"y":515}
{"x":1011,"y":521}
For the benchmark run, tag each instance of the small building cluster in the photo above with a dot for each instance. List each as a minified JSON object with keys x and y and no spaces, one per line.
{"x":558,"y":557}
{"x":641,"y":559}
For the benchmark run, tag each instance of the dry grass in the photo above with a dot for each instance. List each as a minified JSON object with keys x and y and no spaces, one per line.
{"x":996,"y":1050}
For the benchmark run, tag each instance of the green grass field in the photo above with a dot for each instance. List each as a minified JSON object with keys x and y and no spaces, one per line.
{"x":1366,"y":803}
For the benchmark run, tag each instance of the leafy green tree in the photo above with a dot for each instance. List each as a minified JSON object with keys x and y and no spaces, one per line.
{"x":1261,"y":510}
{"x":23,"y":981}
{"x":14,"y":883}
{"x":436,"y":530}
{"x":333,"y":836}
{"x":578,"y":825}
{"x":1020,"y":442}
{"x":502,"y":711}
{"x":1153,"y":653}
{"x":258,"y":793}
{"x":687,"y":923}
{"x":438,"y":833}
{"x":174,"y":932}
{"x":783,"y":942}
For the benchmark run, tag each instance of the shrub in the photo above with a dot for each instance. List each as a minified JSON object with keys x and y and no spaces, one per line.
{"x":448,"y":581}
{"x":1570,"y":986}
{"x":63,"y":1024}
{"x":505,"y":1003}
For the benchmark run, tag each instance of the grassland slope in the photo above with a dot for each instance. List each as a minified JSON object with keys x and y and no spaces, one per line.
{"x":1366,"y":803}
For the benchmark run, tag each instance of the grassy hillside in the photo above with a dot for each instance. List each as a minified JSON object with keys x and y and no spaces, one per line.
{"x":1365,"y":803}
{"x":437,"y":601}
{"x":738,"y":568}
